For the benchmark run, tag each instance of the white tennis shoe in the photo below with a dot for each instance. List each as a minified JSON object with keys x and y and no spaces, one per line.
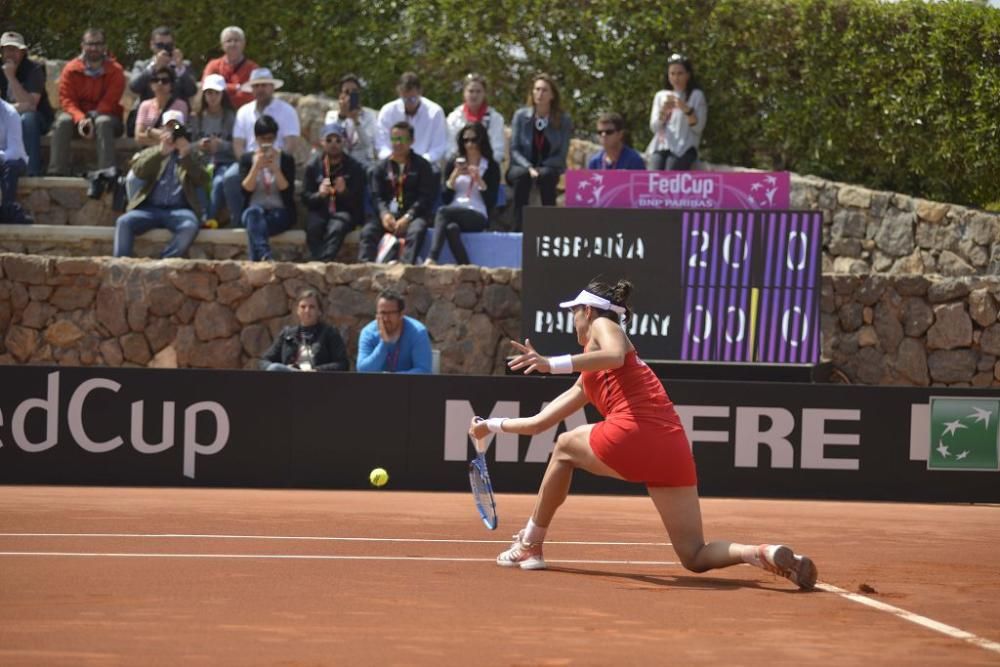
{"x":522,"y":554}
{"x":782,"y":561}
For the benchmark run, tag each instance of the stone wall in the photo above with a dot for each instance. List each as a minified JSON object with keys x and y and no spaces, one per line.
{"x":877,"y":329}
{"x":202,"y":314}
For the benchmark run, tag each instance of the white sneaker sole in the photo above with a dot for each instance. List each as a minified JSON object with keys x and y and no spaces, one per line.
{"x":530,"y":564}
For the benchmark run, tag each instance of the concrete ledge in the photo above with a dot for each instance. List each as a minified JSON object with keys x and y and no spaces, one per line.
{"x":64,"y":233}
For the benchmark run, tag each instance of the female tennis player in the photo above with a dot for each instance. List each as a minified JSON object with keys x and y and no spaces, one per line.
{"x":640,"y":440}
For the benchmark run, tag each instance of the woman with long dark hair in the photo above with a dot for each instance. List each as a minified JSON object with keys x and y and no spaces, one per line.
{"x":212,"y":129}
{"x":540,"y":134}
{"x":640,"y":440}
{"x":471,"y":181}
{"x":677,"y":119}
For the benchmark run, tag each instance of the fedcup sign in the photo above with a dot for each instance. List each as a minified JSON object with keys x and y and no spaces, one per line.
{"x":677,"y":189}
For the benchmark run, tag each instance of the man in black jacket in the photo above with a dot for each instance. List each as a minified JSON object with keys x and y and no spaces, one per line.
{"x":333,"y":191}
{"x":313,"y":345}
{"x":404,"y":187}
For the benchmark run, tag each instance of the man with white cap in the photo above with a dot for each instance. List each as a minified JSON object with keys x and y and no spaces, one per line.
{"x":172,"y":174}
{"x":333,"y":193}
{"x":262,"y":84}
{"x":23,"y":85}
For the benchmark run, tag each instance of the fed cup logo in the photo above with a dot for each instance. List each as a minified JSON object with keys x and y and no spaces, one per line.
{"x":965,"y":434}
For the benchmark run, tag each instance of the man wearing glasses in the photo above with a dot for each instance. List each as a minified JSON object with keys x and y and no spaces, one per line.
{"x":90,"y":91}
{"x":165,"y":54}
{"x":615,"y":153}
{"x":426,"y":117}
{"x":393,"y":342}
{"x":333,"y":193}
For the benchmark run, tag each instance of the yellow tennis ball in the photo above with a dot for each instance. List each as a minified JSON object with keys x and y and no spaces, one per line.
{"x":378,"y":477}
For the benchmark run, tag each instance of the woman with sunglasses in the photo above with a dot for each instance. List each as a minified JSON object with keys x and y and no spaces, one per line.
{"x":641,"y":439}
{"x":539,"y":142}
{"x":150,"y":114}
{"x":212,"y":129}
{"x":472,"y":180}
{"x":677,"y":119}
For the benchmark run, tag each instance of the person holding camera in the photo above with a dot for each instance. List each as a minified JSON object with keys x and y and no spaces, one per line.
{"x":333,"y":193}
{"x":149,"y":118}
{"x":404,"y":188}
{"x":262,"y":84}
{"x":268,"y":182}
{"x":472,"y":180}
{"x":311,"y":345}
{"x":677,"y":118}
{"x":165,"y":54}
{"x":172,"y":173}
{"x":90,"y":92}
{"x":359,"y":122}
{"x":539,"y":143}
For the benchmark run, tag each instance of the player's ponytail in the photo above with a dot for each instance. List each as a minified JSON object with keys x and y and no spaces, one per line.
{"x":618,"y":294}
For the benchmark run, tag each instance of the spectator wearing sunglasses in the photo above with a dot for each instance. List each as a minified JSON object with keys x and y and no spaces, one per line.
{"x":539,"y":142}
{"x":333,"y":193}
{"x":472,"y":179}
{"x":614,"y":153}
{"x":677,"y":118}
{"x":90,"y":92}
{"x":424,"y":116}
{"x":149,"y":118}
{"x":165,"y":54}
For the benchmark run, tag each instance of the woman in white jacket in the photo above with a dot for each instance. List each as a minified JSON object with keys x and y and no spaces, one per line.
{"x":677,"y":118}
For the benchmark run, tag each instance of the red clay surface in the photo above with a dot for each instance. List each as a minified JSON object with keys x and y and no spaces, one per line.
{"x":386,"y":603}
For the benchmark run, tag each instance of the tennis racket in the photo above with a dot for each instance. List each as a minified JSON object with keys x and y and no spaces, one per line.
{"x":482,"y":488}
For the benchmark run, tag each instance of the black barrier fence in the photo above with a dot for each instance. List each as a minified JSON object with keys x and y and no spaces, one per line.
{"x":328,"y":430}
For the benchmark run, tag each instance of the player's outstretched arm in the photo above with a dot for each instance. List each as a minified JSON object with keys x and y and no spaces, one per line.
{"x":563,"y":406}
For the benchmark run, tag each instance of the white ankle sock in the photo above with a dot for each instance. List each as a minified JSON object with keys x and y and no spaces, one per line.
{"x":534,"y":533}
{"x":750,"y":553}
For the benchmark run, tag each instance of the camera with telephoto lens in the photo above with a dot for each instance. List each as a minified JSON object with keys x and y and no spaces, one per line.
{"x":100,"y":181}
{"x":181,"y":132}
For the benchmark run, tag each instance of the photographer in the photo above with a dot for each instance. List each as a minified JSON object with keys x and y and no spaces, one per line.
{"x":333,"y":192}
{"x":172,"y":174}
{"x":268,"y":183}
{"x":359,"y":122}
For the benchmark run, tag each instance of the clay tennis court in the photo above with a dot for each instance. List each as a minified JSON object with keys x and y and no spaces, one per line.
{"x":109,"y":576}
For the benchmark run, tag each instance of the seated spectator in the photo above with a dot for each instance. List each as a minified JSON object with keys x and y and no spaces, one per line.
{"x":212,"y":129}
{"x":404,"y":188}
{"x":424,"y":116}
{"x":268,"y":182}
{"x":90,"y":92}
{"x":263,"y":85}
{"x":311,"y":345}
{"x":475,"y":109}
{"x":393,"y":342}
{"x":677,"y":119}
{"x":13,"y":161}
{"x":171,"y":173}
{"x":472,"y":179}
{"x":150,"y":114}
{"x":165,"y":54}
{"x":614,"y":154}
{"x":233,"y":65}
{"x":23,"y":85}
{"x":539,"y":143}
{"x":360,"y":122}
{"x":334,"y":192}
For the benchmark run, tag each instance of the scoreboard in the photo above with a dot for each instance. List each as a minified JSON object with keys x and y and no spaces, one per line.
{"x":709,"y":285}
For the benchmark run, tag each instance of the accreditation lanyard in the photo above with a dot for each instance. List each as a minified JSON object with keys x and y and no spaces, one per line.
{"x":392,"y":360}
{"x":329,"y":177}
{"x":398,"y":183}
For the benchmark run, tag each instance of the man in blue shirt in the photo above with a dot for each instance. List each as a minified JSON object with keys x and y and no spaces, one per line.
{"x":393,"y":342}
{"x":616,"y":155}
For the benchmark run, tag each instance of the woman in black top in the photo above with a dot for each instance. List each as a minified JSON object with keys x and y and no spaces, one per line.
{"x":312,"y":345}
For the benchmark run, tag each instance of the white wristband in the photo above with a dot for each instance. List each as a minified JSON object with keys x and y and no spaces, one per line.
{"x":562,"y":364}
{"x":495,"y":424}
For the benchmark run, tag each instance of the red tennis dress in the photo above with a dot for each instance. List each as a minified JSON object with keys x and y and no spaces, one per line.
{"x":641,"y":437}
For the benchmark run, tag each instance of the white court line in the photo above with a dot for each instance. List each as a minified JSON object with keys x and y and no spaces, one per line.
{"x":82,"y":554}
{"x":320,"y":538}
{"x":937,"y":626}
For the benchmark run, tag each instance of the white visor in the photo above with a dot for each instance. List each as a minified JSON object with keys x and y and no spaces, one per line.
{"x":585,"y":298}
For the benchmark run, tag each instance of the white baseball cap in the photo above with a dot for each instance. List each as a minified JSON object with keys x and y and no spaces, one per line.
{"x":214,"y":82}
{"x":585,"y":298}
{"x":173,"y":115}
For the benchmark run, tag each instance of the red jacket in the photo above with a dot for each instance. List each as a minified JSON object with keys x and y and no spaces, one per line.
{"x":80,"y":94}
{"x":235,"y":77}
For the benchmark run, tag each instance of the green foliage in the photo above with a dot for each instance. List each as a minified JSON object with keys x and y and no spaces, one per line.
{"x":900,"y":96}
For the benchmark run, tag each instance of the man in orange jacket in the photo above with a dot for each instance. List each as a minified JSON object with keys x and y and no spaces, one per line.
{"x":90,"y":91}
